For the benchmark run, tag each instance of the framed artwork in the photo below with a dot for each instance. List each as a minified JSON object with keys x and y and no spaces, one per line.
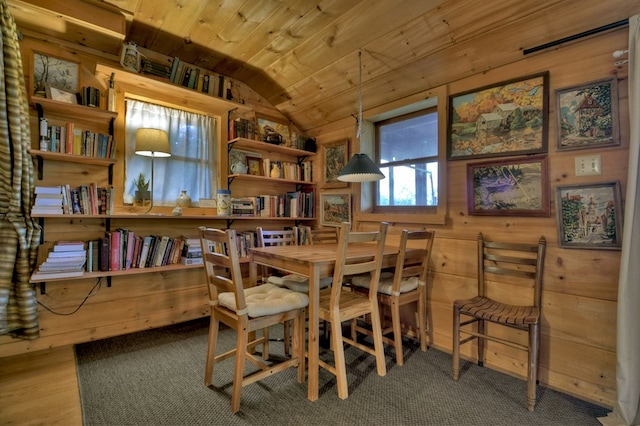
{"x":587,"y":115}
{"x":590,"y":216}
{"x":56,"y":73}
{"x":273,"y":131}
{"x":240,"y":156}
{"x":254,"y":166}
{"x":60,"y":95}
{"x":334,"y":158}
{"x":505,"y":119}
{"x":510,"y":187}
{"x":335,"y":209}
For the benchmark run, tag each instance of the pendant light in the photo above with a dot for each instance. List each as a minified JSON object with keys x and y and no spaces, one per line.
{"x":360,"y":167}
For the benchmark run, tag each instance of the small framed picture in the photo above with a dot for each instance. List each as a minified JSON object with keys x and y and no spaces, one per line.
{"x":587,"y":115}
{"x":58,"y":73}
{"x":334,"y":158}
{"x":254,"y":166}
{"x":510,"y":187}
{"x":335,"y":209}
{"x":590,"y":216}
{"x":60,"y":95}
{"x":273,"y":131}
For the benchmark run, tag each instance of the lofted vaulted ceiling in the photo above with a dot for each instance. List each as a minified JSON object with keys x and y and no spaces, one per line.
{"x":302,"y":55}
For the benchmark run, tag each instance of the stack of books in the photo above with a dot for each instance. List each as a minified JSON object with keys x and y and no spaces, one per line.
{"x":192,"y":252}
{"x":67,"y":259}
{"x":49,"y":200}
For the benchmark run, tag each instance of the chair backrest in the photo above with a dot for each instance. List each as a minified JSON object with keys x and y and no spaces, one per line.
{"x":326,"y":235}
{"x":372,"y":264}
{"x":222,"y":265}
{"x":416,"y":262}
{"x":521,"y":263}
{"x":279,"y":237}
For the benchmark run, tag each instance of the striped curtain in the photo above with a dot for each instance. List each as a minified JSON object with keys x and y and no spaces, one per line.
{"x":19,"y":234}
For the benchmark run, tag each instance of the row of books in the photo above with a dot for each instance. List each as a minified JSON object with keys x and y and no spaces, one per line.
{"x":70,"y":139}
{"x":288,"y":170}
{"x":290,"y":204}
{"x":204,"y":81}
{"x":243,"y":128}
{"x":67,"y":259}
{"x":64,"y":199}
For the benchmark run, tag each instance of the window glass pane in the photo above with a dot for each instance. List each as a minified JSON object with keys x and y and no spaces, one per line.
{"x":409,"y":185}
{"x":414,"y":137}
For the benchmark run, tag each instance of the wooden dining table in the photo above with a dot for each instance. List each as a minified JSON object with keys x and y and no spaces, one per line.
{"x":315,"y":262}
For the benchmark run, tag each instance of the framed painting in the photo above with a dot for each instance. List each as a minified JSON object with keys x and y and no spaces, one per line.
{"x":273,"y":131}
{"x":334,"y":158}
{"x":254,"y":166}
{"x":510,"y":187}
{"x":60,"y":95}
{"x":55,"y":73}
{"x":335,"y":209}
{"x":505,"y":119}
{"x":587,"y":115}
{"x":590,"y":216}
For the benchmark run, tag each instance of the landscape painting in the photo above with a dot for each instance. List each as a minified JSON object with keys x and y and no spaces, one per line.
{"x":590,"y":216}
{"x":588,"y":115}
{"x":514,"y":187}
{"x":505,"y":119}
{"x":336,"y":208}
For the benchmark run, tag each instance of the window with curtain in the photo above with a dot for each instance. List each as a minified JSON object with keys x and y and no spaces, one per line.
{"x":192,"y":165}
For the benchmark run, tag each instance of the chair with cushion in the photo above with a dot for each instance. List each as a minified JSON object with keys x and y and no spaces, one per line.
{"x":405,"y":285}
{"x":246,"y":311}
{"x":340,"y":305}
{"x":509,"y":295}
{"x":275,"y":237}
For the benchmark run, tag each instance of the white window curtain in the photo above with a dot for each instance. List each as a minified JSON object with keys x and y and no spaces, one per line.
{"x":192,"y":165}
{"x":627,"y":409}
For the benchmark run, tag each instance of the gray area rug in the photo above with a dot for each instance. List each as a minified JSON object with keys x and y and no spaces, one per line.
{"x":156,"y":377}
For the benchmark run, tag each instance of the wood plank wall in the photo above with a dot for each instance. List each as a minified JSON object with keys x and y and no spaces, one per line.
{"x":580,"y":286}
{"x":579,"y":313}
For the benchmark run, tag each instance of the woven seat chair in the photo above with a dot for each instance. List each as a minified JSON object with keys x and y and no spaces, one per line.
{"x":521,"y":265}
{"x":246,"y":311}
{"x":407,"y":284}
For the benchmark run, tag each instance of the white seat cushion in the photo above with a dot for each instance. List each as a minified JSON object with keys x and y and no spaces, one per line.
{"x":386,"y":282}
{"x":300,"y":283}
{"x":266,"y":299}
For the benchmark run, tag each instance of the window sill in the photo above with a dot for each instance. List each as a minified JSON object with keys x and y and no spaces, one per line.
{"x":423,"y":219}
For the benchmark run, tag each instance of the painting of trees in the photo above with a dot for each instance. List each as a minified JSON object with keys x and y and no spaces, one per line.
{"x":55,"y":72}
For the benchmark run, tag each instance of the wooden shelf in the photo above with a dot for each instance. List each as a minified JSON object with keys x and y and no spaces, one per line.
{"x":71,"y":158}
{"x":268,"y":147}
{"x":74,"y":111}
{"x":266,"y":178}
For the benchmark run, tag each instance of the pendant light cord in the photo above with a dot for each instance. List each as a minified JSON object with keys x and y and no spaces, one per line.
{"x":359,"y":95}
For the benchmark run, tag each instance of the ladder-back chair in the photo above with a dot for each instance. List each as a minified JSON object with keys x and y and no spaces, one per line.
{"x":522,"y":265}
{"x":246,"y":311}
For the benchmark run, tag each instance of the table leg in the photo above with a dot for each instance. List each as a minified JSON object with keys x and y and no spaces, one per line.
{"x":314,"y":330}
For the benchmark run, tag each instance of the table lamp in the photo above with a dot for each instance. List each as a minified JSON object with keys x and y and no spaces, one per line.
{"x":152,"y":143}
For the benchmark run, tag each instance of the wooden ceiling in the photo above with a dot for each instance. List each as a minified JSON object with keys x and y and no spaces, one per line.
{"x":302,"y":55}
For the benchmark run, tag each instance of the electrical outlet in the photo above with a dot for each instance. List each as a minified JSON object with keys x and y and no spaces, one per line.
{"x":589,"y":165}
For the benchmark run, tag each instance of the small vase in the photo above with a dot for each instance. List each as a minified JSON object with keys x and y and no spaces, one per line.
{"x":275,"y":171}
{"x":183,"y":199}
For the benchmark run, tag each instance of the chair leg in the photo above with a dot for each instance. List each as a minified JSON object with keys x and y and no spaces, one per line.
{"x":422,"y":318}
{"x":285,"y":338}
{"x":211,"y":350}
{"x":378,"y":345}
{"x":298,"y":349}
{"x":481,"y":343}
{"x":338,"y":358}
{"x":532,"y":375}
{"x":241,"y":349}
{"x":265,"y":343}
{"x":397,"y":332}
{"x":456,"y":343}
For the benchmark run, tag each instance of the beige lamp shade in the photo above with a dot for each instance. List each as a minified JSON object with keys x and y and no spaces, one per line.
{"x":152,"y":143}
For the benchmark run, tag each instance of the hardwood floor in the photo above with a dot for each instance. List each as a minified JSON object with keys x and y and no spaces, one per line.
{"x":40,"y":388}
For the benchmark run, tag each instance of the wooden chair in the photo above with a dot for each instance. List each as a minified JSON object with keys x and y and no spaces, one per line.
{"x":341,"y":305}
{"x":327,"y":235}
{"x":405,"y":285}
{"x":277,"y":237}
{"x":246,"y":311}
{"x":522,"y":265}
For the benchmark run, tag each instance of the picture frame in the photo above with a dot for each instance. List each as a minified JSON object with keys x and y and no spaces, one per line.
{"x":60,"y":95}
{"x":509,"y":187}
{"x":58,"y":73}
{"x":335,"y":209}
{"x":587,"y":115}
{"x":240,"y":156}
{"x":275,"y":131}
{"x":334,"y":158}
{"x":504,"y":119}
{"x":254,"y":166}
{"x":590,"y":216}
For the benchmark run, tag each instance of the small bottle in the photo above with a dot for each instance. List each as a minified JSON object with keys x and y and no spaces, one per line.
{"x":275,"y":171}
{"x":224,"y":202}
{"x":183,"y":200}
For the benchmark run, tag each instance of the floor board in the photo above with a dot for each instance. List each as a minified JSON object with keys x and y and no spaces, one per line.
{"x":40,"y":388}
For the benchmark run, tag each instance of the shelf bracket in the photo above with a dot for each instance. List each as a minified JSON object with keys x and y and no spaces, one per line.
{"x":43,"y":288}
{"x":109,"y":281}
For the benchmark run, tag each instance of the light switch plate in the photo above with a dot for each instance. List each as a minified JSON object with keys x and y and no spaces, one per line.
{"x":589,"y":165}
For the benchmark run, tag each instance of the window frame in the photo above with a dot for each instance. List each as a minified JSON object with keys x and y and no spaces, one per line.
{"x":436,"y":215}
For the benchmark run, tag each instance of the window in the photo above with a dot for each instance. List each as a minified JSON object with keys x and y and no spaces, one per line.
{"x":192,"y":165}
{"x":407,"y":154}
